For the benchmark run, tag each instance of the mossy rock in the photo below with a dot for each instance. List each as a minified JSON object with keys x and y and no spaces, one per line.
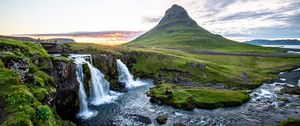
{"x":20,"y":95}
{"x":18,"y":119}
{"x":87,"y":78}
{"x":42,"y":79}
{"x":290,"y":122}
{"x":190,"y":97}
{"x":40,"y":93}
{"x":162,"y":119}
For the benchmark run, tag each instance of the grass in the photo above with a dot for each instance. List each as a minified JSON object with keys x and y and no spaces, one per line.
{"x":183,"y":97}
{"x":219,"y":69}
{"x":23,"y":100}
{"x":179,"y":34}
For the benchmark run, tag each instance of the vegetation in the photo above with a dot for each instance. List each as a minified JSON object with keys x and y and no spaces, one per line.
{"x":24,"y":100}
{"x":244,"y":72}
{"x":190,"y":97}
{"x":290,"y":122}
{"x":180,"y":31}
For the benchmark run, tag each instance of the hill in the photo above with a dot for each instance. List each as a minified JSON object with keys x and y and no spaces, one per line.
{"x":274,"y":42}
{"x":28,"y":39}
{"x":178,"y":30}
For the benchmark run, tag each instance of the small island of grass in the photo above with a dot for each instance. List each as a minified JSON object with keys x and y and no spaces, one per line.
{"x":191,"y":97}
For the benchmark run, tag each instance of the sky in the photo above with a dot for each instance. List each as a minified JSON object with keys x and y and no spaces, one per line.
{"x":123,"y":20}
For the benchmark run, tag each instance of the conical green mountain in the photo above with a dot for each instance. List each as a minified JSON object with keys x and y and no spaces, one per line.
{"x":178,"y":30}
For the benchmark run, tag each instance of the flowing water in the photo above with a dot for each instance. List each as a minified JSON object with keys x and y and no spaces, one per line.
{"x":84,"y":111}
{"x":125,"y":76}
{"x":99,"y":92}
{"x":268,"y":105}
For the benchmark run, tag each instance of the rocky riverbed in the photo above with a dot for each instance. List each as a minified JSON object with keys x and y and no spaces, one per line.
{"x":268,"y":105}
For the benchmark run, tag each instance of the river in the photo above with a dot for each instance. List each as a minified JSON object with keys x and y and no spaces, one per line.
{"x":267,"y":106}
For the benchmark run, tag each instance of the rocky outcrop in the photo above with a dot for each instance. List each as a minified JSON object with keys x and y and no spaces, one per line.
{"x":66,"y":98}
{"x":196,"y":65}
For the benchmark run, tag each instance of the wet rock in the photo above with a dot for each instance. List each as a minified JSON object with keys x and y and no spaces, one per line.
{"x":67,"y":86}
{"x":190,"y":105}
{"x":141,"y":118}
{"x":162,"y":119}
{"x":178,"y":124}
{"x":291,"y":90}
{"x":155,"y":100}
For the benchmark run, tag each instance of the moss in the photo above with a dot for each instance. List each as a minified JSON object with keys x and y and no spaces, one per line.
{"x":8,"y":78}
{"x":290,"y":122}
{"x":19,"y":96}
{"x":1,"y":64}
{"x":40,"y":93}
{"x":87,"y":77}
{"x":43,"y":113}
{"x":18,"y":119}
{"x":61,"y":58}
{"x":43,"y":79}
{"x":187,"y":97}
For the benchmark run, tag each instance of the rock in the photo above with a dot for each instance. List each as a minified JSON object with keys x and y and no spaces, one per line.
{"x":178,"y":124}
{"x":162,"y":119}
{"x":291,"y":90}
{"x":190,"y":105}
{"x":167,"y":92}
{"x":141,"y":118}
{"x":66,"y":97}
{"x":196,"y":65}
{"x":156,"y":101}
{"x":245,"y":78}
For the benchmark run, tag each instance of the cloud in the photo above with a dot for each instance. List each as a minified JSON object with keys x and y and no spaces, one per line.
{"x":151,"y":19}
{"x":248,"y":18}
{"x":102,"y":36}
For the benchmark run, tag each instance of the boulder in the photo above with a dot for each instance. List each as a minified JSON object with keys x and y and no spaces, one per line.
{"x":162,"y":119}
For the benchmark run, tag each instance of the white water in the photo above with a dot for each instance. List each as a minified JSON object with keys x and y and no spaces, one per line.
{"x":99,"y":90}
{"x":125,"y":76}
{"x":84,"y":112}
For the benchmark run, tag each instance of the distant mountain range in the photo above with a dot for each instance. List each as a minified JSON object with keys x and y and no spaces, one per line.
{"x":274,"y":42}
{"x":58,"y":40}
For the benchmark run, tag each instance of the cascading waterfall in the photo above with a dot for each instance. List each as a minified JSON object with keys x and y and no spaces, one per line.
{"x":125,"y":76}
{"x":84,"y":111}
{"x":99,"y":92}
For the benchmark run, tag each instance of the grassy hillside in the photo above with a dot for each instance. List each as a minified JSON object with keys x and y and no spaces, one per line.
{"x":178,"y":30}
{"x":24,"y":99}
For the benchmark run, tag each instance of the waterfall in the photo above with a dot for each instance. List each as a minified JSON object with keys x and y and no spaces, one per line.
{"x":125,"y":76}
{"x":84,"y":111}
{"x":99,"y":90}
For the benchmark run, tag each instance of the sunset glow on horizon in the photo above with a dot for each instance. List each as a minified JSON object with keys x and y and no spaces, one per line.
{"x":234,"y":19}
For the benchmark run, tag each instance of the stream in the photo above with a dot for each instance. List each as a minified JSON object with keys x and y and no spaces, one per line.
{"x":267,"y":106}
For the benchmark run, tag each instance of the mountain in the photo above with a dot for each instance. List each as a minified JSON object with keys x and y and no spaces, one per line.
{"x":178,"y":30}
{"x":274,"y":42}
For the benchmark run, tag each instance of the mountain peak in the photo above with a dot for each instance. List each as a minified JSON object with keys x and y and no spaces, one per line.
{"x":174,"y":14}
